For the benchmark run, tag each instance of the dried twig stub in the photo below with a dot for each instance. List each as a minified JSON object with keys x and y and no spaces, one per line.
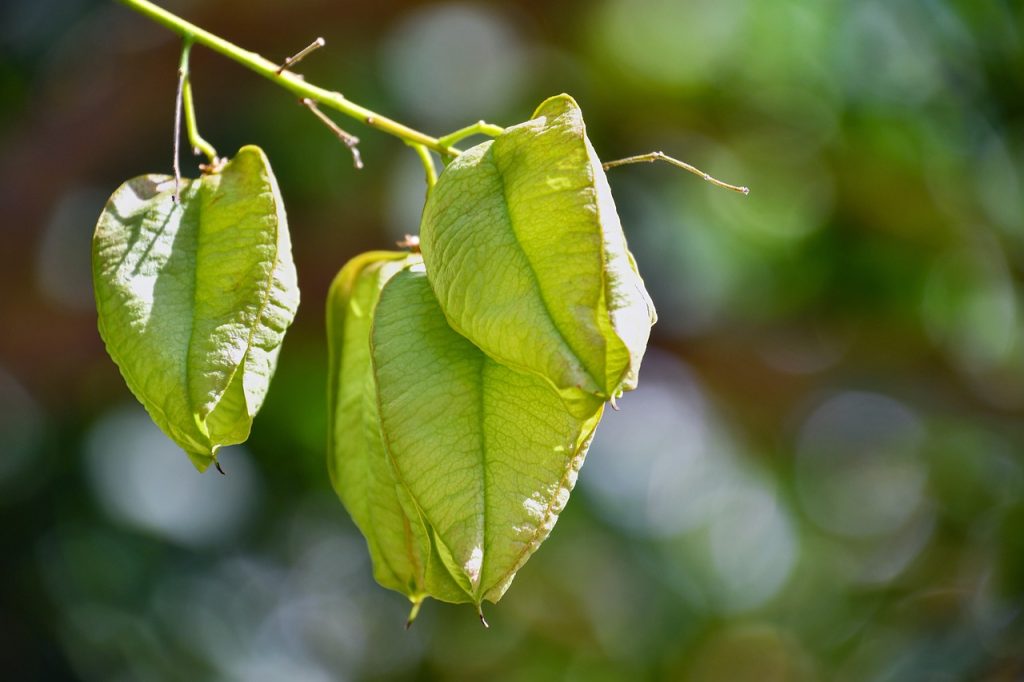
{"x":348,"y":139}
{"x":301,"y":54}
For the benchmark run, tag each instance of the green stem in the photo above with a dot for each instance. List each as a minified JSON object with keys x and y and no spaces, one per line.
{"x":195,"y":140}
{"x":478,"y":128}
{"x":287,"y":79}
{"x":429,"y":169}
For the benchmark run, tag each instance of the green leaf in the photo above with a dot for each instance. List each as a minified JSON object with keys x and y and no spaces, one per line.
{"x":194,"y":297}
{"x":360,"y":469}
{"x":525,"y":252}
{"x":488,"y":454}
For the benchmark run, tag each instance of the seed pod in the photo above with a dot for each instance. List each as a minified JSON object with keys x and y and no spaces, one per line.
{"x":361,"y":471}
{"x":526,"y":255}
{"x":488,"y":454}
{"x":194,"y":296}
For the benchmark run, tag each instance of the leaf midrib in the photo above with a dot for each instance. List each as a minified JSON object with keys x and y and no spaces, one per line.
{"x":264,"y":300}
{"x":434,"y":535}
{"x":506,"y":210}
{"x":481,"y":422}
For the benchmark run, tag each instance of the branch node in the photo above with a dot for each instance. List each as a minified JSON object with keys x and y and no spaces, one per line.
{"x":300,"y":55}
{"x":411,"y":242}
{"x":215,"y":166}
{"x":348,"y":139}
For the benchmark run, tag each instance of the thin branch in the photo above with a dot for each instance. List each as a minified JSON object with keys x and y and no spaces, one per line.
{"x":429,"y":169}
{"x":661,"y":156}
{"x":348,"y":139}
{"x":286,"y":79}
{"x":478,"y":128}
{"x":198,"y":144}
{"x":301,"y":54}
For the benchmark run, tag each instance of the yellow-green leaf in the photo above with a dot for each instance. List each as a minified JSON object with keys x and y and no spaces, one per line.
{"x":525,"y":252}
{"x":487,"y":453}
{"x":360,"y":469}
{"x":194,"y":297}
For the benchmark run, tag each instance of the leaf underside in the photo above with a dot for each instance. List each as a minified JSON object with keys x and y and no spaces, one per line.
{"x":488,"y":454}
{"x":465,"y":386}
{"x":525,"y":252}
{"x":194,"y":297}
{"x":361,"y":471}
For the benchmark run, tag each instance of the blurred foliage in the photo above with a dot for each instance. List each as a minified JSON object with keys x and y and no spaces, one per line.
{"x":820,"y":478}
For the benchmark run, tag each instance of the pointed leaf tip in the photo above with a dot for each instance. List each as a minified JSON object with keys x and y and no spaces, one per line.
{"x":466,"y":387}
{"x":413,"y":613}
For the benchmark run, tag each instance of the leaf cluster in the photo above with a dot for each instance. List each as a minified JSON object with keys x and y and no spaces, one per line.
{"x":465,"y":383}
{"x":475,"y":375}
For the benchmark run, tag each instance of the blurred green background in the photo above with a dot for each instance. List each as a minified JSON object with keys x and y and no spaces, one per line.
{"x":821,"y":476}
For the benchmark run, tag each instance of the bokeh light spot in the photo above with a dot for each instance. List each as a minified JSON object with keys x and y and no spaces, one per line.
{"x":446,"y":60}
{"x":858,"y":466}
{"x":63,"y":266}
{"x":21,"y":432}
{"x":141,"y":478}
